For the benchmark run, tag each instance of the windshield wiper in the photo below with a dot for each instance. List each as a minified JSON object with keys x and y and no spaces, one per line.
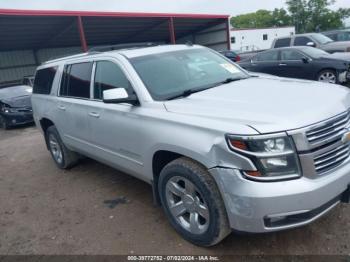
{"x":189,"y":92}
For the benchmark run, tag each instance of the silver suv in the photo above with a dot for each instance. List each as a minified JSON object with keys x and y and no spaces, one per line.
{"x":223,"y":150}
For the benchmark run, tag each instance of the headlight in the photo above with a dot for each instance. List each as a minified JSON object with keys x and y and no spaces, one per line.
{"x":8,"y":110}
{"x":274,"y":156}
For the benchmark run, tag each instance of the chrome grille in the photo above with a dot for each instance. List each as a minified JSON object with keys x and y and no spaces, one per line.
{"x":326,"y":140}
{"x":331,"y":159}
{"x":329,"y":131}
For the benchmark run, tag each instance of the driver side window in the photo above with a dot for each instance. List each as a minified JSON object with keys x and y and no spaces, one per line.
{"x":108,"y":75}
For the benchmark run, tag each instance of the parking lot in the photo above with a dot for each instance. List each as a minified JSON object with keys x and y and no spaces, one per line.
{"x":93,"y":209}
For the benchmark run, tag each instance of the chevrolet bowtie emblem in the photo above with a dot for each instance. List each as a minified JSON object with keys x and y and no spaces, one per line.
{"x":346,"y":137}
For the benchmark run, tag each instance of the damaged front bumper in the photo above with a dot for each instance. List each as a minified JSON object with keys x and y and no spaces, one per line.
{"x":258,"y":207}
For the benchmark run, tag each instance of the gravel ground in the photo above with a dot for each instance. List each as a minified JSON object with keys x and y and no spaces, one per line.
{"x":93,"y":209}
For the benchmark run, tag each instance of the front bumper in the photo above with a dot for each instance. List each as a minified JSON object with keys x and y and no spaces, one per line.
{"x":344,"y":77}
{"x":18,"y":118}
{"x":258,"y":207}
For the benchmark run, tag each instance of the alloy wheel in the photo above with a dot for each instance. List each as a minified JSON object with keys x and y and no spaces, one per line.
{"x":328,"y":77}
{"x":187,"y":205}
{"x":55,"y":149}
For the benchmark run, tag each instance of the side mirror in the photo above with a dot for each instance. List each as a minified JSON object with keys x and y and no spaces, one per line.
{"x":119,"y":95}
{"x":305,"y":60}
{"x":312,"y":44}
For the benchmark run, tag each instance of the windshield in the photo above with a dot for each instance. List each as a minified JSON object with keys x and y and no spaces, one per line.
{"x":315,"y":52}
{"x":169,"y":74}
{"x":322,"y":39}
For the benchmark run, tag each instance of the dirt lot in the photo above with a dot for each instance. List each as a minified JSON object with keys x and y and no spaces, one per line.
{"x":44,"y":210}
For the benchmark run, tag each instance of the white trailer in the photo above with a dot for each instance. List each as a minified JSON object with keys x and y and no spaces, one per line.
{"x":252,"y":39}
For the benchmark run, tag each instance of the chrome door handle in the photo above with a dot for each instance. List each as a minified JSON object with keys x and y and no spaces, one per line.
{"x":63,"y":108}
{"x":94,"y":114}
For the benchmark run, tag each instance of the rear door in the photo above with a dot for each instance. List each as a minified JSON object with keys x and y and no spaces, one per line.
{"x":292,"y":64}
{"x":73,"y":103}
{"x":266,"y":62}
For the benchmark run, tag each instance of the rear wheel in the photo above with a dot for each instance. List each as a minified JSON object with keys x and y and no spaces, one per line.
{"x":327,"y":76}
{"x":63,"y":157}
{"x":193,"y":203}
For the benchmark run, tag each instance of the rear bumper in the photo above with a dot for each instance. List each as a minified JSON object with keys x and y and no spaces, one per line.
{"x":19,"y":118}
{"x":258,"y":207}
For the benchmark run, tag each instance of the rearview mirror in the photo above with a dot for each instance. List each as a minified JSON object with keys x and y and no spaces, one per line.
{"x":119,"y":95}
{"x":312,"y":44}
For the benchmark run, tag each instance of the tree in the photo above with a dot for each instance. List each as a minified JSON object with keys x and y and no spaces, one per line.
{"x":315,"y":15}
{"x":262,"y":18}
{"x":305,"y":15}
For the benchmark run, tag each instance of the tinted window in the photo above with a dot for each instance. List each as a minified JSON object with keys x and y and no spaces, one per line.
{"x":291,"y":55}
{"x":76,"y":80}
{"x":43,"y":80}
{"x":302,"y":41}
{"x":267,"y":56}
{"x":283,"y":42}
{"x":107,"y":76}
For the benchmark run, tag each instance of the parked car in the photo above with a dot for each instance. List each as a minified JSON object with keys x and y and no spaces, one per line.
{"x":15,"y":106}
{"x":222,"y":149}
{"x":300,"y":62}
{"x":338,"y":35}
{"x":233,"y":56}
{"x":313,"y":40}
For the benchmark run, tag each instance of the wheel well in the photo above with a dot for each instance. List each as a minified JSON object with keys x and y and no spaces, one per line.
{"x":326,"y":69}
{"x":160,"y":160}
{"x":45,"y":124}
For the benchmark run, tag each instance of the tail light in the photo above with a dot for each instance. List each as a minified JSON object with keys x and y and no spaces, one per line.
{"x":238,"y":58}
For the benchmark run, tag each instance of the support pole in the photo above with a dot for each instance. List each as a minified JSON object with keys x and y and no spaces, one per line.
{"x":228,"y":35}
{"x":172,"y":31}
{"x":82,"y":35}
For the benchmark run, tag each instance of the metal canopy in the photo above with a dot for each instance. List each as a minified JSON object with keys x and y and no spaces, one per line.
{"x":33,"y":30}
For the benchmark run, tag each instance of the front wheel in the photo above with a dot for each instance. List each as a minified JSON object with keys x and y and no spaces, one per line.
{"x":327,"y":76}
{"x":193,"y":203}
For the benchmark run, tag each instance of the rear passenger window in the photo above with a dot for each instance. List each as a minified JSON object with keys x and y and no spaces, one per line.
{"x":108,"y":75}
{"x":283,"y":42}
{"x":76,"y":80}
{"x":268,"y":56}
{"x":43,"y":80}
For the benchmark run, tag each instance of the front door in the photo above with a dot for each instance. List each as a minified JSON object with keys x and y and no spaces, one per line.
{"x":115,"y":128}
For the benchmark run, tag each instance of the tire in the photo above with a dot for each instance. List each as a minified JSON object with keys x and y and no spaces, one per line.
{"x":3,"y":123}
{"x":63,"y":157}
{"x":328,"y":76}
{"x":210,"y":225}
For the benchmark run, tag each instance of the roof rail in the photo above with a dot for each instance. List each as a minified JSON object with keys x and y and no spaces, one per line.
{"x":99,"y":49}
{"x":107,"y":48}
{"x":69,"y":56}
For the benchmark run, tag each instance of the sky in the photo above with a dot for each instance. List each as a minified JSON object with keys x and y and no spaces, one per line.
{"x":229,"y":7}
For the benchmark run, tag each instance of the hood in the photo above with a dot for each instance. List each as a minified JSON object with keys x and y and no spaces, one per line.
{"x":16,"y":96}
{"x":334,"y":45}
{"x":267,"y":104}
{"x":340,"y":56}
